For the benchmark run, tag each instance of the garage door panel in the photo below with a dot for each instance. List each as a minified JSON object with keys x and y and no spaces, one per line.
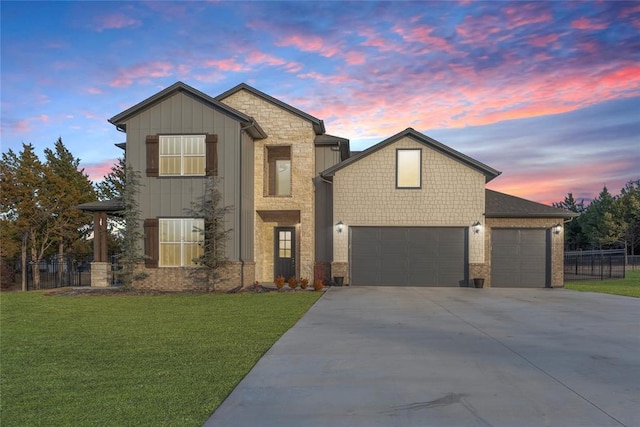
{"x":415,"y":256}
{"x":519,"y":258}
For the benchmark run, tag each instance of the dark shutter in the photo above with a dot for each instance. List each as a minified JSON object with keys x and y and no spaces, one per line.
{"x":211,"y":150}
{"x":153,"y":154}
{"x":151,"y":244}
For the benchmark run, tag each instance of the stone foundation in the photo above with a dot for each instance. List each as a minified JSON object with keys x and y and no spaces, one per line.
{"x":481,"y":271}
{"x":100,"y":274}
{"x":340,"y":269}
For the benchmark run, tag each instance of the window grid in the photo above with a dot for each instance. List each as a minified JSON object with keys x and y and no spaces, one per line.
{"x":180,"y":241}
{"x":182,"y":155}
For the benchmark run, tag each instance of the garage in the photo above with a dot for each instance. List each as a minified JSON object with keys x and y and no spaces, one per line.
{"x":520,"y":258}
{"x":408,"y":256}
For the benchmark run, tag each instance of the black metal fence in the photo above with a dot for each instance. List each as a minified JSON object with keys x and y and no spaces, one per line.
{"x":58,"y":271}
{"x":594,"y":265}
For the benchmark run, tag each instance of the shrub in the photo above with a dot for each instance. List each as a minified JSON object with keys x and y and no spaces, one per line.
{"x":279,"y":282}
{"x":318,"y":285}
{"x":293,"y":283}
{"x":304,"y":283}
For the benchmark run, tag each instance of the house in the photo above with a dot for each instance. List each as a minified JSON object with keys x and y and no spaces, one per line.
{"x":407,"y":211}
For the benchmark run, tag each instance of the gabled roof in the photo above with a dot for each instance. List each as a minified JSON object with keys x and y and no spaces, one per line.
{"x":500,"y":205}
{"x":318,"y":125}
{"x":252,"y":127}
{"x":341,"y":143}
{"x":488,"y":172}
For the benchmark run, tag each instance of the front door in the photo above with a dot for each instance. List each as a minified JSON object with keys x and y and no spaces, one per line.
{"x":285,"y":252}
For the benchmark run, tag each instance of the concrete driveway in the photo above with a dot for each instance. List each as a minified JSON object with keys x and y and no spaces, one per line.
{"x":382,"y":356}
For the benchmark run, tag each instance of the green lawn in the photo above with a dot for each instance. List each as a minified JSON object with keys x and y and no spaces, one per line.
{"x":132,"y":360}
{"x":629,"y":286}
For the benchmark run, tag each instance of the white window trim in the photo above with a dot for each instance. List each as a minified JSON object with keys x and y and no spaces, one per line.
{"x":409,"y":187}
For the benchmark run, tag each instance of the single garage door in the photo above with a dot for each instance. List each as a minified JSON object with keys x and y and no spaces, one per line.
{"x":408,"y":256}
{"x":519,"y":258}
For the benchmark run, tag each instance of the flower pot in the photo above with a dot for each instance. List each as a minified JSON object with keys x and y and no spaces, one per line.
{"x":478,"y":282}
{"x":339,"y":280}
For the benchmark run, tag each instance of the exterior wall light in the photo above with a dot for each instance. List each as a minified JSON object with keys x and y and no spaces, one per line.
{"x":476,"y":227}
{"x":339,"y":226}
{"x":557,"y":228}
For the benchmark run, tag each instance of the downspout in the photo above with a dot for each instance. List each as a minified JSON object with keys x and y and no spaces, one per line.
{"x":240,"y":258}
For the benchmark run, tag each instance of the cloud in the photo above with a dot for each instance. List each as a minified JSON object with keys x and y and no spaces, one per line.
{"x":114,"y":21}
{"x":587,"y":24}
{"x":97,"y":171}
{"x":141,"y":72}
{"x":309,"y":43}
{"x":229,"y":64}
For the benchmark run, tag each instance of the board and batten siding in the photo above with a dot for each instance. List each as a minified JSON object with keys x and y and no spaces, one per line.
{"x":326,"y":156}
{"x":160,"y":197}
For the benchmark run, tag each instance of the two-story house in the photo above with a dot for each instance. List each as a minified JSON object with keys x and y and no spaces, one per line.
{"x":407,"y":211}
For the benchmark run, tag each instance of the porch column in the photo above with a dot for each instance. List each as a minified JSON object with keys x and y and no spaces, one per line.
{"x":100,"y":267}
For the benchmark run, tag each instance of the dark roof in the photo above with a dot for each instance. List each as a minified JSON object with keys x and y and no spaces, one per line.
{"x":251,"y":125}
{"x":342,"y":143}
{"x":122,"y":145}
{"x":489,"y":172}
{"x":318,"y":125}
{"x":112,"y":205}
{"x":500,"y":205}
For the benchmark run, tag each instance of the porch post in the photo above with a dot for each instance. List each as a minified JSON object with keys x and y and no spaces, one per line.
{"x":100,"y":266}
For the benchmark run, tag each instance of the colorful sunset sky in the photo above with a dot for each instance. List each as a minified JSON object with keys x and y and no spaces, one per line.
{"x":546,"y":92}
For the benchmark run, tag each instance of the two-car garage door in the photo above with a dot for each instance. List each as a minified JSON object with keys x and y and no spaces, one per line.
{"x":409,"y":256}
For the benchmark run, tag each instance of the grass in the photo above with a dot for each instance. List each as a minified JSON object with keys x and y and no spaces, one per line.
{"x":132,"y":360}
{"x":629,"y":286}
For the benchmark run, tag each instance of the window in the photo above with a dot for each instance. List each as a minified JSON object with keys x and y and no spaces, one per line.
{"x":180,"y":241}
{"x":408,"y":168}
{"x":284,"y":244}
{"x":278,"y":171}
{"x":182,"y":155}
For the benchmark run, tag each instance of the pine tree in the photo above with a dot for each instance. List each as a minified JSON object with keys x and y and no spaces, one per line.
{"x":131,"y":254}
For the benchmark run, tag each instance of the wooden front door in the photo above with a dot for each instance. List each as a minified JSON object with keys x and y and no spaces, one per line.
{"x":285,"y":252}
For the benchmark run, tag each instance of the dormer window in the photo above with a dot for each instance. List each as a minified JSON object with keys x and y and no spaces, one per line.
{"x":408,"y":168}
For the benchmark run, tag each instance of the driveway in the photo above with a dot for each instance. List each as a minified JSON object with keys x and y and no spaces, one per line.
{"x":382,"y":356}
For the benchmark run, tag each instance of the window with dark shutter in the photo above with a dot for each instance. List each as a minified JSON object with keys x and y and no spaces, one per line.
{"x":151,"y":244}
{"x":211,"y":147}
{"x":152,"y":144}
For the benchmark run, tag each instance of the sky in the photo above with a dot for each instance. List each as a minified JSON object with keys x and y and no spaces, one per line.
{"x":548,"y":93}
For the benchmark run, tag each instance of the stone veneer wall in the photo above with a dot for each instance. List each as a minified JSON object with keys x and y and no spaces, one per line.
{"x":178,"y":278}
{"x":365,"y":194}
{"x":557,"y":244}
{"x":283,"y":129}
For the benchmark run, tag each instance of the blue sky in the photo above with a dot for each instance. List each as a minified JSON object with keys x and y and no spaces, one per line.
{"x":546,"y":92}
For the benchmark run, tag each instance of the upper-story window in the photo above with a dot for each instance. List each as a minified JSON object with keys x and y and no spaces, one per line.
{"x":182,"y":155}
{"x":278,"y":171}
{"x":408,"y":168}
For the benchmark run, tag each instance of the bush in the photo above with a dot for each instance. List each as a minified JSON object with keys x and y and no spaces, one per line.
{"x":293,"y":283}
{"x":279,"y":282}
{"x":304,"y":283}
{"x":318,"y":285}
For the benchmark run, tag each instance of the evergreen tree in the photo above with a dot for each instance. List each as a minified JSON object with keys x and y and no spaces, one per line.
{"x":72,"y":224}
{"x":112,"y":186}
{"x":573,"y":237}
{"x":215,"y":235}
{"x":132,"y":235}
{"x":628,"y":209}
{"x":600,"y":224}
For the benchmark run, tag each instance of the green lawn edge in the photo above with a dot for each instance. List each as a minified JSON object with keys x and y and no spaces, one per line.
{"x":629,"y":286}
{"x":164,"y":360}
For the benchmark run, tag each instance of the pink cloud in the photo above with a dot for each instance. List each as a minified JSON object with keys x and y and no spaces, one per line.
{"x":355,"y":58}
{"x":97,"y":171}
{"x":142,"y":71}
{"x":625,"y":13}
{"x":309,"y":44}
{"x":422,"y":35}
{"x":94,"y":91}
{"x":526,"y":14}
{"x":257,"y":57}
{"x":587,"y":24}
{"x":114,"y":21}
{"x":229,"y":64}
{"x":542,"y":41}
